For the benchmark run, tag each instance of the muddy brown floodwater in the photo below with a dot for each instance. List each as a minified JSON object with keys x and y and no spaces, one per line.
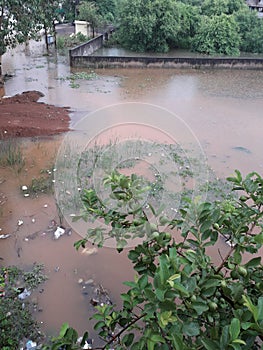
{"x":221,"y":108}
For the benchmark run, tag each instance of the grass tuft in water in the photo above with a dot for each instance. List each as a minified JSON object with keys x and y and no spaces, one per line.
{"x":42,"y":184}
{"x":11,"y":154}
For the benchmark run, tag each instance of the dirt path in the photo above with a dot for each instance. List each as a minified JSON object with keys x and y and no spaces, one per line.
{"x":22,"y":116}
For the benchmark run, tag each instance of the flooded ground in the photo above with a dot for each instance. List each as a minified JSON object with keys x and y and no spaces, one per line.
{"x":221,"y":109}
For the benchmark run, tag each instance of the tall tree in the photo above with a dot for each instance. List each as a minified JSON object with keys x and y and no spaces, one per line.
{"x":107,"y":9}
{"x":218,"y":7}
{"x":47,"y":14}
{"x":17,"y":23}
{"x":190,"y":18}
{"x":146,"y":25}
{"x":251,"y":30}
{"x":217,"y":35}
{"x":88,"y":12}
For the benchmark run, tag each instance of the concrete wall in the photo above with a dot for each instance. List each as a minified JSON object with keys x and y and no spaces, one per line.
{"x":86,"y":49}
{"x":82,"y":27}
{"x":77,"y":60}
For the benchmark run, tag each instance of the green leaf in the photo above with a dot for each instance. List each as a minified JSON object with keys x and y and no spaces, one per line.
{"x":199,"y":307}
{"x":237,"y":257}
{"x":128,"y":339}
{"x":234,"y":329}
{"x":191,"y":329}
{"x":157,"y":338}
{"x":143,"y":281}
{"x":149,"y":294}
{"x":63,"y":330}
{"x":99,"y":325}
{"x":205,"y":226}
{"x":177,"y":341}
{"x":224,"y":339}
{"x":239,"y":341}
{"x":210,"y":344}
{"x":259,"y":238}
{"x":260,"y":309}
{"x":181,"y":289}
{"x":254,"y":262}
{"x":160,"y":294}
{"x":252,"y":308}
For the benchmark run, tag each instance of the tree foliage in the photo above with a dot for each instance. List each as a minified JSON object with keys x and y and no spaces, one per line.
{"x":107,"y":9}
{"x":146,"y":25}
{"x":181,"y":299}
{"x":217,"y":35}
{"x":198,"y":25}
{"x":88,"y":12}
{"x":251,"y":31}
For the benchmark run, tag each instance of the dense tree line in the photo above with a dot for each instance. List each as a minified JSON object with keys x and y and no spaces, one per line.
{"x":211,"y":26}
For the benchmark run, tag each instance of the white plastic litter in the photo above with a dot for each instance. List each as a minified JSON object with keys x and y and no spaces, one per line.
{"x":20,"y":222}
{"x":24,"y":188}
{"x":59,"y":232}
{"x":4,"y":236}
{"x":25,"y":294}
{"x":31,"y":345}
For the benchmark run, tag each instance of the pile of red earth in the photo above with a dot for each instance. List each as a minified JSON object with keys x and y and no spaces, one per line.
{"x":22,"y":116}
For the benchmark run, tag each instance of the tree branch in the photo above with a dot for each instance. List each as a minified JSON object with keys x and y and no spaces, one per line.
{"x":121,"y":331}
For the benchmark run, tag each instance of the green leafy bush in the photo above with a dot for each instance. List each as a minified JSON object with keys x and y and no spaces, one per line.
{"x":182,"y":299}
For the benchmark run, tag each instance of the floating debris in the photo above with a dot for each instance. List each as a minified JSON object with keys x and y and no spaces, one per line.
{"x":20,"y":222}
{"x":4,"y":236}
{"x":88,"y":343}
{"x":26,"y":195}
{"x":101,"y":297}
{"x":90,"y":281}
{"x":242,"y":149}
{"x":45,"y":205}
{"x":89,"y":251}
{"x":24,"y":188}
{"x":59,"y":232}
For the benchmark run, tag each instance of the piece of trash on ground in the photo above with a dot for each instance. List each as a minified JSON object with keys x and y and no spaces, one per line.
{"x":25,"y":294}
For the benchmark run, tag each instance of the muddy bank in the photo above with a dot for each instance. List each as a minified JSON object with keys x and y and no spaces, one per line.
{"x":23,"y":116}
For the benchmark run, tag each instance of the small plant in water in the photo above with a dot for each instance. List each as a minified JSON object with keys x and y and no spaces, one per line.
{"x":72,"y":78}
{"x":70,"y":41}
{"x":42,"y":184}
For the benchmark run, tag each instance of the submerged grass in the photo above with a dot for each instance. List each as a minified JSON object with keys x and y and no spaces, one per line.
{"x":11,"y":154}
{"x":40,"y":185}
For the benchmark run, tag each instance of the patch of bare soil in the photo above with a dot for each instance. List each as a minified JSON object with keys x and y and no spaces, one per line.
{"x":23,"y":116}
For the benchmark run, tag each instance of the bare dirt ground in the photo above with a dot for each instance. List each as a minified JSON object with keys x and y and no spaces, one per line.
{"x":22,"y":116}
